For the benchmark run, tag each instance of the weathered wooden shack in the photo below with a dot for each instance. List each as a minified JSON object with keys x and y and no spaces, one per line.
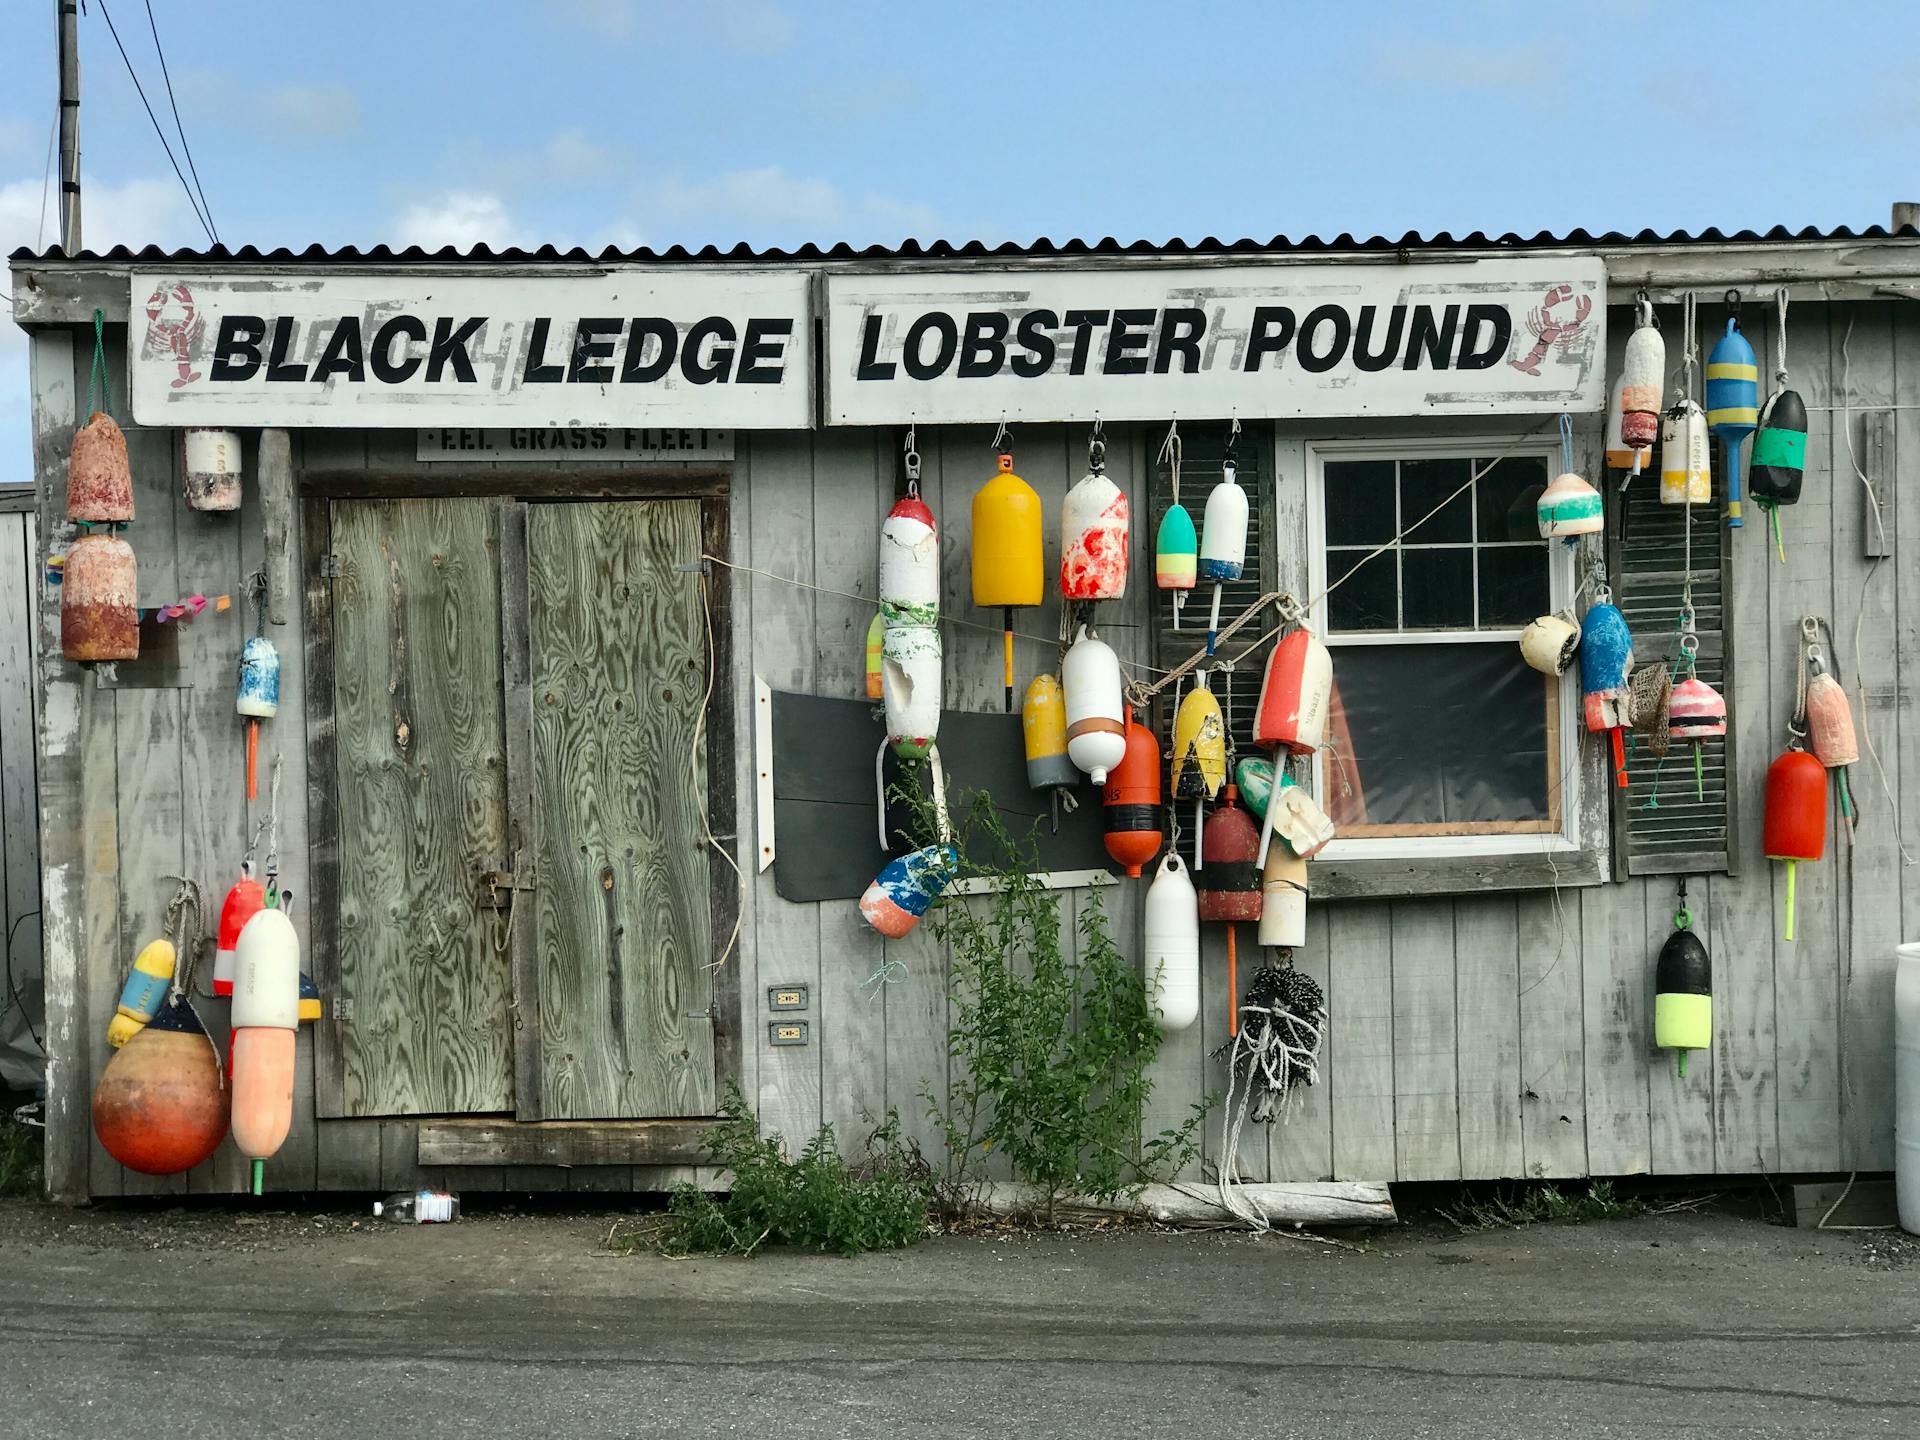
{"x":528,"y":734}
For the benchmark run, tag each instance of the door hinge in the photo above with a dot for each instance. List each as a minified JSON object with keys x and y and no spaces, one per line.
{"x":329,"y":567}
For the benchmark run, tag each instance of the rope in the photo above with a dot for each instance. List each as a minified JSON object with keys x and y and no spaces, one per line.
{"x":185,"y":937}
{"x":97,"y":376}
{"x":1689,"y":345}
{"x":1277,"y":1050}
{"x":706,"y":820}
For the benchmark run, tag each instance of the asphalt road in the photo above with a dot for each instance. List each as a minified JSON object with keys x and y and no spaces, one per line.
{"x":223,"y":1323}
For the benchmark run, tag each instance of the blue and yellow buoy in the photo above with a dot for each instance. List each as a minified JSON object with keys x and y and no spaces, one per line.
{"x":1733,"y":402}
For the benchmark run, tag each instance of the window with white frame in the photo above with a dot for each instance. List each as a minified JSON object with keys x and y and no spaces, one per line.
{"x":1442,"y":740}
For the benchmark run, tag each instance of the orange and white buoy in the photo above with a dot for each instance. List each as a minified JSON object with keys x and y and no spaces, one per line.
{"x":1096,"y":717}
{"x":266,"y":1023}
{"x":1296,"y":696}
{"x":1094,"y":533}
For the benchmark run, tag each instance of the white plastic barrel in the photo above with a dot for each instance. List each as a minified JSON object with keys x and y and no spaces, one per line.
{"x":1906,"y":1086}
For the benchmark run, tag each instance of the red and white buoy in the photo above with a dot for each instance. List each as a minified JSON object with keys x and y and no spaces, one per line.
{"x":1296,"y":696}
{"x":1094,"y":533}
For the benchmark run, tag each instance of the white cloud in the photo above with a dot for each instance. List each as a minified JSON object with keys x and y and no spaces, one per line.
{"x":460,"y":218}
{"x":745,"y":204}
{"x":313,"y":112}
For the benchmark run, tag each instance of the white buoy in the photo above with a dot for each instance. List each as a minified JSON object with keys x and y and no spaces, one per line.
{"x":1173,"y":946}
{"x":1283,"y":898}
{"x":1906,"y":1086}
{"x":1223,"y":540}
{"x":1096,"y":717}
{"x":910,"y":687}
{"x":1094,"y":539}
{"x":910,"y":564}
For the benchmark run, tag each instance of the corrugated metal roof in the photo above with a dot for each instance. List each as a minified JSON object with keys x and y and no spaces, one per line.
{"x":1041,"y":249}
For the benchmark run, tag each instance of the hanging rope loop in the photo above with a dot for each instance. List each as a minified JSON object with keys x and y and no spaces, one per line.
{"x":97,"y":386}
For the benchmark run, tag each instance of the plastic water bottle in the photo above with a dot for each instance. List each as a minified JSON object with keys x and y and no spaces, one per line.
{"x":419,"y":1207}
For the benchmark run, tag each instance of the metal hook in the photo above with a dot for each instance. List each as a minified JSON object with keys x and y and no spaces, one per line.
{"x":999,"y":436}
{"x":1732,"y":300}
{"x":1233,"y":432}
{"x":911,"y":459}
{"x":1096,"y":447}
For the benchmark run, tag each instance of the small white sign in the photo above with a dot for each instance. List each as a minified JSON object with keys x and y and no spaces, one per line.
{"x":1526,"y":335}
{"x":717,"y":347}
{"x":573,"y":445}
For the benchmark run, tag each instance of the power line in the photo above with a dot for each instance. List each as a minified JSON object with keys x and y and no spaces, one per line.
{"x":46,"y":181}
{"x":205,"y":223}
{"x":192,"y":169}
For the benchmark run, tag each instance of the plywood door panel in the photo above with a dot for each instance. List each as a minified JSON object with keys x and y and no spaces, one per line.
{"x":619,"y":668}
{"x":421,"y":759}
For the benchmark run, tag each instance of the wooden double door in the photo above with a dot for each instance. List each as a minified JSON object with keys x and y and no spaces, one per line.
{"x":520,"y":909}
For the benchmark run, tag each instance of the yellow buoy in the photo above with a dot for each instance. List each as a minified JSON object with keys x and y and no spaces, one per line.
{"x":1009,"y":567}
{"x":1199,"y":755}
{"x":146,"y":987}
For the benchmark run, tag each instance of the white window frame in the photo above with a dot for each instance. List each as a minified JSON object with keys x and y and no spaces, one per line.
{"x":1560,"y":579}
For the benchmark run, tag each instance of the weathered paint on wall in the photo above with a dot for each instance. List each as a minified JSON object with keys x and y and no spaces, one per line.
{"x":1479,"y":1035}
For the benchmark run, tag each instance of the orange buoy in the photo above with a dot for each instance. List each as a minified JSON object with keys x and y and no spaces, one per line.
{"x":245,"y":900}
{"x":160,"y":1106}
{"x":266,"y":1021}
{"x":1132,"y":798}
{"x":1796,"y":820}
{"x":1296,"y":696}
{"x":99,"y":480}
{"x":98,"y":590}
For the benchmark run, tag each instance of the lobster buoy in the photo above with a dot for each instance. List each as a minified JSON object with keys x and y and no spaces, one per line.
{"x":257,"y":698}
{"x":1779,"y":458}
{"x":876,"y":633}
{"x":98,"y":591}
{"x":1830,"y":730}
{"x":1223,"y":540}
{"x":1733,"y":405}
{"x":1696,"y":712}
{"x":99,"y":480}
{"x":1683,"y":993}
{"x":266,"y":1021}
{"x":1132,"y":799}
{"x":1299,"y":821}
{"x":1620,"y":455}
{"x":1009,"y":563}
{"x":1199,"y":755}
{"x":910,"y":687}
{"x":245,"y":900}
{"x":1283,"y":899}
{"x":1686,"y":468}
{"x":1569,"y":508}
{"x":906,"y":888}
{"x":1096,"y":723}
{"x":212,"y":469}
{"x":1043,"y":719}
{"x":1232,"y":890}
{"x":1176,"y":551}
{"x":160,"y":1106}
{"x":1172,"y":946}
{"x":141,"y":996}
{"x":1093,"y":540}
{"x":1548,"y":644}
{"x":1606,"y":655}
{"x":910,"y":564}
{"x":1643,"y":378}
{"x":1296,"y":694}
{"x":1254,"y":777}
{"x":1796,"y":817}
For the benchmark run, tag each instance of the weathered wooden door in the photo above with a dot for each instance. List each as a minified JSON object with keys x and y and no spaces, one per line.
{"x":618,"y":655}
{"x":425,"y":976}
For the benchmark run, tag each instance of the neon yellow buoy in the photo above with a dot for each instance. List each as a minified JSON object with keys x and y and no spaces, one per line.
{"x":1009,"y":568}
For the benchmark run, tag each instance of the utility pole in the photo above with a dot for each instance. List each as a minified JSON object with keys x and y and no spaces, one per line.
{"x":69,"y":18}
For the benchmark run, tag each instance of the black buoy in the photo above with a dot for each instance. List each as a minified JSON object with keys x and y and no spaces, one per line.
{"x":1683,"y":992}
{"x":1779,"y":461}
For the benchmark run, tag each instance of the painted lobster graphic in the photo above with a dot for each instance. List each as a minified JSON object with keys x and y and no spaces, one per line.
{"x":174,"y":328}
{"x":1550,"y":331}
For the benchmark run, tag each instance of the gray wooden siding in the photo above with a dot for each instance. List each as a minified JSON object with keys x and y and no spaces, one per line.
{"x":1480,"y":1035}
{"x":22,"y":1002}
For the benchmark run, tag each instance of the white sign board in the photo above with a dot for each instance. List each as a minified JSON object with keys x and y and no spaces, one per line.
{"x":717,"y":348}
{"x":1449,"y":338}
{"x":571,"y":445}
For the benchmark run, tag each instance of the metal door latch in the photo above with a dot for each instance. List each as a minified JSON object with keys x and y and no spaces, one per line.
{"x":498,"y":887}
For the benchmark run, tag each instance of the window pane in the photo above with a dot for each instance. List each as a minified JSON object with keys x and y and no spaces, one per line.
{"x":1437,"y":589}
{"x":1513,"y":585}
{"x":1359,"y":502}
{"x":1438,"y":735}
{"x":1366,"y":600}
{"x":1423,"y":485}
{"x":1506,"y":496}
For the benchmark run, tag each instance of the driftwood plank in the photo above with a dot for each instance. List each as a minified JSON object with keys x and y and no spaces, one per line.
{"x":565,"y":1142}
{"x":422,"y":792}
{"x":620,"y":787}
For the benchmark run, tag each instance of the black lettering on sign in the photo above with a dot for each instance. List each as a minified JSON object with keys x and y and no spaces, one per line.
{"x":1372,"y":360}
{"x":1271,"y":333}
{"x":1435,"y":341}
{"x":592,"y":362}
{"x":872,"y":367}
{"x":1476,"y":355}
{"x":449,"y":347}
{"x":279,"y":368}
{"x":1128,"y":334}
{"x":718,"y":359}
{"x":947,"y":341}
{"x":636,"y":368}
{"x":984,"y":349}
{"x":539,"y":371}
{"x":1180,"y":332}
{"x":1081,"y":322}
{"x":343,"y":354}
{"x":1334,"y":318}
{"x":1037,"y":345}
{"x":236,"y":351}
{"x":386,"y":369}
{"x":763,"y":354}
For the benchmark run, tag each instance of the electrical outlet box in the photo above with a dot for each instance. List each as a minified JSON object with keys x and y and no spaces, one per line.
{"x":787,"y":1032}
{"x":786,"y":997}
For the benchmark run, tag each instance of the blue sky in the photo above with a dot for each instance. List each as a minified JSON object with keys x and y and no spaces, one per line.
{"x":772,"y":121}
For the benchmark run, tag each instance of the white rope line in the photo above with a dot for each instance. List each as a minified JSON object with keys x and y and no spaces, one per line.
{"x":1272,"y":1058}
{"x":706,"y":820}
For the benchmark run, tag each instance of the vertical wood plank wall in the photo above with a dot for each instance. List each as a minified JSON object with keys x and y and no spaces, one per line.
{"x":22,"y":999}
{"x":1477,"y":1036}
